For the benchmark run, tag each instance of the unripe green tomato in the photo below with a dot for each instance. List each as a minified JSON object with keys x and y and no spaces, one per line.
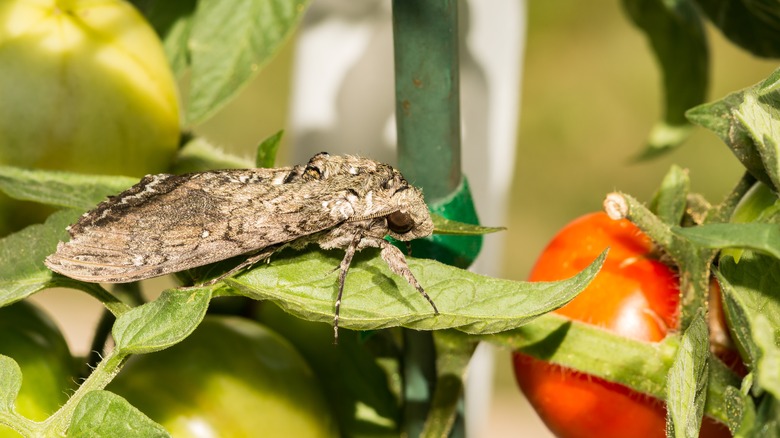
{"x":34,"y":342}
{"x":755,"y":204}
{"x":85,"y":87}
{"x":231,"y":377}
{"x":760,"y":203}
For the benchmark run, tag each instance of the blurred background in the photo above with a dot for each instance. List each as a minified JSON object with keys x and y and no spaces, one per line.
{"x":588,"y":91}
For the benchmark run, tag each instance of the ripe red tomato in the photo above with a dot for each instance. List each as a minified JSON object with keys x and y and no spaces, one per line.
{"x":634,"y":295}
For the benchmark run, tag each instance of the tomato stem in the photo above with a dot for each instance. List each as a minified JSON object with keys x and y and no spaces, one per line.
{"x":641,"y":366}
{"x":453,"y":353}
{"x":106,"y":370}
{"x":19,"y":423}
{"x":692,"y":261}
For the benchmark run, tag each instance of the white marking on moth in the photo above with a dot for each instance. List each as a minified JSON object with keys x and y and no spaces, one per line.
{"x":341,"y":209}
{"x":106,"y":212}
{"x":138,"y":260}
{"x":205,"y":234}
{"x":279,"y":178}
{"x":370,"y":199}
{"x":148,"y":189}
{"x":353,"y":170}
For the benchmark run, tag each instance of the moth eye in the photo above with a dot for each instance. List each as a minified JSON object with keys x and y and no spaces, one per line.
{"x":313,"y":172}
{"x":400,"y":222}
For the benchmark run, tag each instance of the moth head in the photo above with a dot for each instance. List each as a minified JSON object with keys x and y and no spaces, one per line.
{"x":411,"y":219}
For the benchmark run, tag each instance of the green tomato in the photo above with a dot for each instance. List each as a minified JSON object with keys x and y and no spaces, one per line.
{"x":363,"y":399}
{"x":760,"y":204}
{"x":85,"y":87}
{"x":34,"y":342}
{"x":231,"y":377}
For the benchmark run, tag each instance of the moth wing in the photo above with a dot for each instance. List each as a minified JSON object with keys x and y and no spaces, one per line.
{"x":170,"y":223}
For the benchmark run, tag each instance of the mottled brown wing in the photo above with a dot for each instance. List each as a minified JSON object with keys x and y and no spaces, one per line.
{"x":169,"y":223}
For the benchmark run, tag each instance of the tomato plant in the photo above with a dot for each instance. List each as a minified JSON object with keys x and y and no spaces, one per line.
{"x":635,"y":295}
{"x":80,"y":81}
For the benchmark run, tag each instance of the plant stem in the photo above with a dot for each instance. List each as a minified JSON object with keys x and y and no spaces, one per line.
{"x":641,"y":366}
{"x":102,"y":331}
{"x":22,"y":425}
{"x":693,"y":262}
{"x":725,"y":209}
{"x":106,"y":370}
{"x":419,"y":375}
{"x":453,"y":353}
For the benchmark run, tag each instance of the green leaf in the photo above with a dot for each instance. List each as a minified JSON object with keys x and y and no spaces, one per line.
{"x":172,"y":21}
{"x":676,"y":34}
{"x":752,"y":25}
{"x":442,"y":225}
{"x":739,"y":321}
{"x":769,"y":360}
{"x":266,"y":152}
{"x":199,"y":155}
{"x":686,"y":388}
{"x":752,"y":305}
{"x":22,"y":272}
{"x":374,"y":297}
{"x":230,"y":41}
{"x":764,"y":238}
{"x":103,"y":413}
{"x":62,"y":189}
{"x":741,"y":412}
{"x":767,"y":419}
{"x":161,"y":323}
{"x":10,"y":383}
{"x":670,"y":200}
{"x":746,"y":122}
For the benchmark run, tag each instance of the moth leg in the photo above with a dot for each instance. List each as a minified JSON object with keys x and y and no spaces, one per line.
{"x":397,"y":262}
{"x":243,"y":265}
{"x":343,"y":268}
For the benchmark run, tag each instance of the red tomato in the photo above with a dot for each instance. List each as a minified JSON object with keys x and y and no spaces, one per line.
{"x":634,"y":295}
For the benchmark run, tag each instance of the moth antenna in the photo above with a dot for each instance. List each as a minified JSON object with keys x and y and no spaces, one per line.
{"x":344,"y":267}
{"x":382,"y":213}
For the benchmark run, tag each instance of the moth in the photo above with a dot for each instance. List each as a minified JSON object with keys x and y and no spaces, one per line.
{"x":169,"y":223}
